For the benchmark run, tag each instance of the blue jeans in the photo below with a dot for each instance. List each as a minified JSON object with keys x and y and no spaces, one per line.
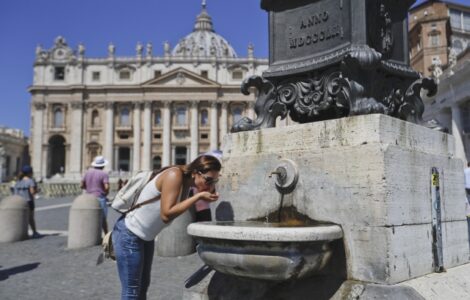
{"x":134,"y":261}
{"x":104,"y":207}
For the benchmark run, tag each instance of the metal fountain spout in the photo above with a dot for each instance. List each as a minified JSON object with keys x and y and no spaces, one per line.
{"x":287,"y":175}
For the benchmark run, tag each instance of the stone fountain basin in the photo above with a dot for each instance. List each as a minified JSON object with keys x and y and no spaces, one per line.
{"x":264,"y":250}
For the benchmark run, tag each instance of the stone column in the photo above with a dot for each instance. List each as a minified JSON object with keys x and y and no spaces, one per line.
{"x":37,"y":133}
{"x":223,"y":120}
{"x":147,"y":151}
{"x":76,"y":140}
{"x":194,"y":130}
{"x":457,"y":132}
{"x":214,"y":130}
{"x":136,"y":153}
{"x":166,"y":133}
{"x":109,"y":135}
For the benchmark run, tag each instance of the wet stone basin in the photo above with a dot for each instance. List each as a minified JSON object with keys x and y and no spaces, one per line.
{"x":267,"y":251}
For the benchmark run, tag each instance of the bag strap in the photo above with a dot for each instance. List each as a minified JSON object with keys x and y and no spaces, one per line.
{"x":142,"y":204}
{"x":154,"y":174}
{"x":137,"y":195}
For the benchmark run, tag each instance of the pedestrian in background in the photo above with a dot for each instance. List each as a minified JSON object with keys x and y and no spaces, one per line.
{"x":26,"y":187}
{"x":12,"y":185}
{"x":96,"y":182}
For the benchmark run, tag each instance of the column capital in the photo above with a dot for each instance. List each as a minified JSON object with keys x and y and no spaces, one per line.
{"x":137,"y":104}
{"x":195,"y":104}
{"x":109,"y":105}
{"x":147,"y":104}
{"x":166,"y":103}
{"x":214,"y":104}
{"x":39,"y":105}
{"x":76,"y":105}
{"x":224,"y":105}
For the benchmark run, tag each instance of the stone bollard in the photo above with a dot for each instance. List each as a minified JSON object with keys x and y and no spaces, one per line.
{"x":14,"y":214}
{"x":174,"y":240}
{"x":85,"y":222}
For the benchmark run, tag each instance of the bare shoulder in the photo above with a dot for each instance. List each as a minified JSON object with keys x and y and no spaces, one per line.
{"x":169,"y":178}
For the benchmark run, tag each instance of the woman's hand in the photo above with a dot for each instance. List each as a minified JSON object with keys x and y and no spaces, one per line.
{"x":207,"y":196}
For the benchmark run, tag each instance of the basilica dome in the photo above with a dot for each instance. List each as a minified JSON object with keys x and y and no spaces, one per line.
{"x":203,"y":41}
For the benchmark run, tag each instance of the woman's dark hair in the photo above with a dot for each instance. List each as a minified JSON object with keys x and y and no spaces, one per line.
{"x":203,"y":164}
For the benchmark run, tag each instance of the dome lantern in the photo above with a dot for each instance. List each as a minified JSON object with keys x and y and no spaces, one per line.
{"x":203,"y":41}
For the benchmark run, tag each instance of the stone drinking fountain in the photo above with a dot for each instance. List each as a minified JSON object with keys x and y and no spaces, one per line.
{"x":360,"y":200}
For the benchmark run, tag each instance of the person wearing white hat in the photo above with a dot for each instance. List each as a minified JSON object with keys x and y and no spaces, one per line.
{"x":96,"y":182}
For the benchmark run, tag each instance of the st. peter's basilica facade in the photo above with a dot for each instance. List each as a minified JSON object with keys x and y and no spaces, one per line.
{"x":140,"y":112}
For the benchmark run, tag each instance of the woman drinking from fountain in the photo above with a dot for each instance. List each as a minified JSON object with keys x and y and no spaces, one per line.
{"x":134,"y":233}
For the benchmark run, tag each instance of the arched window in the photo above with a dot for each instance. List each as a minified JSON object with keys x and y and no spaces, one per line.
{"x":181,"y":116}
{"x":95,"y":118}
{"x":157,"y":162}
{"x":237,"y":114}
{"x":58,"y":118}
{"x":56,"y":155}
{"x":124,"y":117}
{"x":157,"y":121}
{"x":204,"y":117}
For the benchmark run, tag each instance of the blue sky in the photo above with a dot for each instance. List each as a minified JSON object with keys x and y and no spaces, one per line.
{"x":95,"y":23}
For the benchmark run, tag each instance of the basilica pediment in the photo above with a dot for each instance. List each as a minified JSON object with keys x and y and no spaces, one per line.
{"x":180,"y":78}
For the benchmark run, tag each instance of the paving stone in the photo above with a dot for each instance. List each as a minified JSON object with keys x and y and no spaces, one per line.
{"x":44,"y":269}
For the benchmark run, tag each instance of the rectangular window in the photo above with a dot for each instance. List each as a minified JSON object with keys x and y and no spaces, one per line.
{"x":237,"y":75}
{"x":157,"y":73}
{"x":59,"y":73}
{"x":157,"y":118}
{"x":125,"y":75}
{"x":455,"y":18}
{"x":95,"y":76}
{"x":181,"y":116}
{"x":204,"y":136}
{"x":124,"y":155}
{"x":157,"y":136}
{"x":434,"y":40}
{"x":205,"y":74}
{"x":7,"y":165}
{"x":466,"y":21}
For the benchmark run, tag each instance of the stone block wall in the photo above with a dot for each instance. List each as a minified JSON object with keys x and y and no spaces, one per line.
{"x":370,"y":174}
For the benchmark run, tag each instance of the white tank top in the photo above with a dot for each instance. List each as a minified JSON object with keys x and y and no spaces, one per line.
{"x":145,"y":221}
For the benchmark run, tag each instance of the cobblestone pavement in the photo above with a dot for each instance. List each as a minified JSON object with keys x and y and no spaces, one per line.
{"x":44,"y":269}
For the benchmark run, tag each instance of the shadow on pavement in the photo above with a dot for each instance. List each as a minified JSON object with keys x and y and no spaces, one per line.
{"x":43,"y":235}
{"x":4,"y":274}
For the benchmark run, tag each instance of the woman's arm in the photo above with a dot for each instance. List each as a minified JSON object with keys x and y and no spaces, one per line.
{"x":170,"y":187}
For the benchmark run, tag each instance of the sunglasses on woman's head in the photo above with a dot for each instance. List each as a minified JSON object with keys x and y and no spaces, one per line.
{"x":207,"y":179}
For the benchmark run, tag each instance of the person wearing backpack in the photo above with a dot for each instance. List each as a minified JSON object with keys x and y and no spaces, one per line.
{"x":164,"y":197}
